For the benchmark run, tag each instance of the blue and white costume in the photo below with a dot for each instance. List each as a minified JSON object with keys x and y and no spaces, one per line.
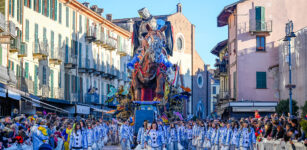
{"x":125,"y":137}
{"x":38,"y":137}
{"x":77,"y":141}
{"x":155,"y":139}
{"x":172,"y":139}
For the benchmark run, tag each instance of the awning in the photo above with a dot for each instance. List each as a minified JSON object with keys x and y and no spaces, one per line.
{"x":13,"y":95}
{"x":44,"y":105}
{"x":2,"y":92}
{"x":103,"y":110}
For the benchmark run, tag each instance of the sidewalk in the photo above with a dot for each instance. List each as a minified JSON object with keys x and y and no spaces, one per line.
{"x":113,"y":147}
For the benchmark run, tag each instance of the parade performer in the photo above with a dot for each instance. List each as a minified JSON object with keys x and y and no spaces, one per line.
{"x":113,"y":132}
{"x":227,"y":137}
{"x":90,"y":137}
{"x":215,"y":137}
{"x":181,"y":133}
{"x":39,"y":134}
{"x":172,"y":137}
{"x":207,"y":142}
{"x":235,"y":139}
{"x":247,"y":137}
{"x":189,"y":134}
{"x":66,"y":133}
{"x":141,"y":136}
{"x":76,"y":141}
{"x":125,"y":136}
{"x":201,"y":136}
{"x":222,"y":134}
{"x":155,"y":138}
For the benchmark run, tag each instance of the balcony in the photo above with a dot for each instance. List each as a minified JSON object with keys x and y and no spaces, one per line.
{"x":2,"y":23}
{"x":4,"y":76}
{"x":56,"y":57}
{"x":123,"y":49}
{"x":13,"y":80}
{"x":25,"y":85}
{"x":111,"y":44}
{"x":89,"y":66}
{"x":223,"y":95}
{"x":96,"y":69}
{"x":91,"y":34}
{"x":44,"y":90}
{"x":260,"y":27}
{"x":12,"y":29}
{"x":59,"y":93}
{"x":15,"y":45}
{"x":71,"y":62}
{"x":82,"y":66}
{"x":74,"y":97}
{"x":40,"y":50}
{"x":23,"y":52}
{"x":92,"y":98}
{"x":99,"y":38}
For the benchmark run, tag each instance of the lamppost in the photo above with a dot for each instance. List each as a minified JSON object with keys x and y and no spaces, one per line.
{"x":290,"y":34}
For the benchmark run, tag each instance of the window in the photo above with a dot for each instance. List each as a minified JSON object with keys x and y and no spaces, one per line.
{"x":234,"y":84}
{"x":80,"y":54}
{"x":60,"y":13}
{"x":60,"y":42}
{"x":36,"y":38}
{"x":73,"y":21}
{"x":51,"y":83}
{"x":260,"y":43}
{"x":179,"y":43}
{"x":260,"y":18}
{"x":52,"y":44}
{"x":27,"y":70}
{"x":53,"y":9}
{"x":60,"y":79}
{"x":44,"y":75}
{"x":19,"y":11}
{"x":27,"y":31}
{"x":37,"y":5}
{"x":200,"y":80}
{"x":45,"y":35}
{"x":80,"y":24}
{"x":261,"y":80}
{"x":45,"y":7}
{"x":0,"y":55}
{"x":11,"y":7}
{"x":67,"y":17}
{"x":27,"y":3}
{"x":214,"y":90}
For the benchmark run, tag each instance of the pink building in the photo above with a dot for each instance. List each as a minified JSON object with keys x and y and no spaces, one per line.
{"x":255,"y":28}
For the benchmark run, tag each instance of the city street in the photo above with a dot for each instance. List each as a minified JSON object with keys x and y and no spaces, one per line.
{"x":153,"y":74}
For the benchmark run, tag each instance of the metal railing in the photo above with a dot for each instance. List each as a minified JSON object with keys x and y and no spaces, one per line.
{"x":74,"y":97}
{"x":12,"y":76}
{"x":260,"y":25}
{"x":12,"y":29}
{"x":2,"y":23}
{"x":91,"y":98}
{"x":224,"y":95}
{"x":23,"y":52}
{"x":40,"y":48}
{"x":91,"y":34}
{"x":279,"y":145}
{"x":112,"y":44}
{"x":15,"y":45}
{"x":58,"y":93}
{"x":57,"y":53}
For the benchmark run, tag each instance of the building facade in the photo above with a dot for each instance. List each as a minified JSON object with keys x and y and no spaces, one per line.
{"x":192,"y":67}
{"x":61,"y":52}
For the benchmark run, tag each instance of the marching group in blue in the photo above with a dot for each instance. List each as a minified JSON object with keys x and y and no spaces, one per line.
{"x":194,"y":135}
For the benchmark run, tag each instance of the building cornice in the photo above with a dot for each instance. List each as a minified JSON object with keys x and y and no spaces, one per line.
{"x":96,"y":17}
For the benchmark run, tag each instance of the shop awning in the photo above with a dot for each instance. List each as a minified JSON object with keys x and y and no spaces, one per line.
{"x":103,"y":110}
{"x":44,"y":105}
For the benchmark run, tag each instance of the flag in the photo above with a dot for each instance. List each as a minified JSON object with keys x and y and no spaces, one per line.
{"x":119,"y":108}
{"x":111,"y":111}
{"x":164,"y":119}
{"x":178,"y":115}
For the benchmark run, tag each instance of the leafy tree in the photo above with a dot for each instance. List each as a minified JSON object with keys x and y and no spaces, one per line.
{"x":304,"y":109}
{"x":283,"y":107}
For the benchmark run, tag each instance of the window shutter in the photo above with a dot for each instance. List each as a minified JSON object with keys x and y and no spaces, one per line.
{"x":67,"y":17}
{"x":18,"y":9}
{"x":36,"y":38}
{"x":73,"y":21}
{"x":60,"y":79}
{"x":43,"y":5}
{"x":60,"y":12}
{"x":39,"y":5}
{"x":80,"y":54}
{"x":51,"y":83}
{"x":80,"y":24}
{"x":44,"y":35}
{"x":35,"y":79}
{"x":27,"y":70}
{"x":48,"y":6}
{"x":261,"y":80}
{"x":10,"y":7}
{"x":52,"y":44}
{"x":0,"y":55}
{"x":55,"y":10}
{"x":27,"y":31}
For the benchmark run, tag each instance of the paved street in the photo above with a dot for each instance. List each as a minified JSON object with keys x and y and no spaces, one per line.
{"x":112,"y":148}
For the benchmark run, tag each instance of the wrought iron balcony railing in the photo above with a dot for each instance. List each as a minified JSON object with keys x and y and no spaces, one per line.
{"x":260,"y":26}
{"x":23,"y":52}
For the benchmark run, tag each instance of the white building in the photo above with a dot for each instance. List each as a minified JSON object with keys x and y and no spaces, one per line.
{"x":60,"y":51}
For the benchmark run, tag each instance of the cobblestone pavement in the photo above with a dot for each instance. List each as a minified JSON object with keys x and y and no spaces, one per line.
{"x":113,"y":147}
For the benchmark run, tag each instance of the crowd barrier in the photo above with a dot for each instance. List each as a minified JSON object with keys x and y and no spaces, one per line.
{"x":279,"y":145}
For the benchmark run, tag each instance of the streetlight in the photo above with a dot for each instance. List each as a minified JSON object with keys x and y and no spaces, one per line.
{"x":290,"y":34}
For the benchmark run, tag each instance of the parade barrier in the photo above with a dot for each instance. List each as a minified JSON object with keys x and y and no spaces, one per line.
{"x":279,"y":145}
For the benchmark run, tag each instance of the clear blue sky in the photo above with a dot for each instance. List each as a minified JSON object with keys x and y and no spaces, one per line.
{"x":202,"y":13}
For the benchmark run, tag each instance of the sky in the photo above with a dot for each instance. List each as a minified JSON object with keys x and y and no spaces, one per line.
{"x":202,"y":13}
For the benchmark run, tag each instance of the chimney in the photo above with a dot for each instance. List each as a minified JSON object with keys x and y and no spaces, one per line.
{"x":86,"y":4}
{"x":179,"y":8}
{"x":109,"y":17}
{"x":100,"y":11}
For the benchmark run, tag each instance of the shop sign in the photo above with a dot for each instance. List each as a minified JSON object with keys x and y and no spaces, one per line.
{"x":82,"y":109}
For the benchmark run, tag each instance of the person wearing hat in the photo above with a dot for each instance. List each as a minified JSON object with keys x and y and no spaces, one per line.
{"x":39,"y":134}
{"x":125,"y":136}
{"x":247,"y":137}
{"x":227,"y":136}
{"x":215,"y":136}
{"x":140,"y":136}
{"x":172,"y":140}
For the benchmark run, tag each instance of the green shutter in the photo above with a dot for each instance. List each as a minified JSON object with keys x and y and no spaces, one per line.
{"x":27,"y":70}
{"x":34,"y":4}
{"x":60,"y":41}
{"x":80,"y":24}
{"x":73,"y":21}
{"x":60,"y":13}
{"x":55,"y":10}
{"x":18,"y":9}
{"x":67,"y":17}
{"x":27,"y":30}
{"x":260,"y":17}
{"x":36,"y":38}
{"x":39,"y":6}
{"x":25,"y":2}
{"x":52,"y":44}
{"x":261,"y":80}
{"x":13,"y":66}
{"x":43,"y":6}
{"x":60,"y":79}
{"x":80,"y":56}
{"x":51,"y":83}
{"x":35,"y":80}
{"x":48,"y":6}
{"x":45,"y":35}
{"x":13,"y":6}
{"x":10,"y":7}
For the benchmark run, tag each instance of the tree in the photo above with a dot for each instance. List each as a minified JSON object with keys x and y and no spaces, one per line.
{"x":283,"y":107}
{"x":304,"y":109}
